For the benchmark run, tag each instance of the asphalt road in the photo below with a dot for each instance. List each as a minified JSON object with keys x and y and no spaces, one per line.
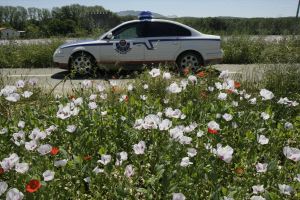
{"x":49,"y":78}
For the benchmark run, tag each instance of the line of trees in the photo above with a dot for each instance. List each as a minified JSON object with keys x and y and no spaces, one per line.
{"x":81,"y":21}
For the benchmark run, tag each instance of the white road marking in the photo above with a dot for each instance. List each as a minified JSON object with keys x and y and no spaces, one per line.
{"x":30,"y":75}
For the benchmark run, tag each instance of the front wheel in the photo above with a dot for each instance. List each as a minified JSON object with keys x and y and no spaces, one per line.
{"x":82,"y":63}
{"x":189,"y":60}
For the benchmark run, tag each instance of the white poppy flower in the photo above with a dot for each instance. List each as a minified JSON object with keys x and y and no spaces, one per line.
{"x":138,"y":124}
{"x":7,"y":90}
{"x":192,"y":152}
{"x":200,"y":133}
{"x":44,"y":149}
{"x":258,"y":189}
{"x":224,"y":153}
{"x":292,"y":153}
{"x":213,"y":126}
{"x":37,"y":134}
{"x":165,"y":124}
{"x":185,"y":162}
{"x":103,"y":113}
{"x":71,"y":128}
{"x":176,"y":133}
{"x":92,"y":105}
{"x":3,"y":187}
{"x":86,"y":84}
{"x":48,"y":175}
{"x":285,"y":189}
{"x":14,"y":194}
{"x":227,"y":117}
{"x":139,"y":148}
{"x":184,"y":83}
{"x":19,"y":138}
{"x":257,"y":198}
{"x":210,"y":89}
{"x":191,"y":127}
{"x":3,"y":131}
{"x":33,"y":81}
{"x":129,"y":171}
{"x":235,"y":103}
{"x":261,"y":167}
{"x":192,"y":79}
{"x":103,"y":96}
{"x":261,"y":139}
{"x":51,"y":128}
{"x":174,"y":88}
{"x":10,"y":162}
{"x":151,"y":122}
{"x":105,"y":159}
{"x":222,"y":96}
{"x":154,"y":72}
{"x":123,"y":97}
{"x":252,"y":101}
{"x":22,"y":167}
{"x":130,"y":87}
{"x":178,"y":196}
{"x":288,"y":125}
{"x":87,"y":179}
{"x":14,"y":97}
{"x":27,"y":94}
{"x":224,"y":74}
{"x":185,"y":140}
{"x":93,"y":97}
{"x":166,"y":75}
{"x":228,"y":198}
{"x":67,"y":111}
{"x":169,"y":112}
{"x":265,"y":116}
{"x":100,"y":87}
{"x":146,"y":86}
{"x":78,"y":101}
{"x":20,"y":84}
{"x":143,"y":97}
{"x":98,"y":170}
{"x":60,"y":163}
{"x":266,"y":94}
{"x":21,"y":124}
{"x":122,"y":156}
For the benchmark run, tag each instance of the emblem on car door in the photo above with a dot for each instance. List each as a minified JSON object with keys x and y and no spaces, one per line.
{"x":122,"y":46}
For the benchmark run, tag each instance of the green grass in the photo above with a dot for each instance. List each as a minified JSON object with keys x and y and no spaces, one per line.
{"x":237,"y":49}
{"x":158,"y":173}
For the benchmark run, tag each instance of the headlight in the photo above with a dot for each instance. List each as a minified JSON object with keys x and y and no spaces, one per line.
{"x":58,"y":52}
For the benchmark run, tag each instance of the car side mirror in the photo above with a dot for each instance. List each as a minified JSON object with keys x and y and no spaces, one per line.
{"x":109,"y":36}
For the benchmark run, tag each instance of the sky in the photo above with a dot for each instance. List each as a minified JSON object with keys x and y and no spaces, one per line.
{"x":193,"y":8}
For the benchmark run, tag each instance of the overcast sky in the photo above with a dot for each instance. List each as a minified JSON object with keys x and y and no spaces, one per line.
{"x":195,"y":8}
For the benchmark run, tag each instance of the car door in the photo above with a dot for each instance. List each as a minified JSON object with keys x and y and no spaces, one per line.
{"x":162,"y":42}
{"x":125,"y":47}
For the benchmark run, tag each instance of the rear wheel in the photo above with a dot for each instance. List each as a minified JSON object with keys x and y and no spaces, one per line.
{"x":82,"y":63}
{"x":190,"y":60}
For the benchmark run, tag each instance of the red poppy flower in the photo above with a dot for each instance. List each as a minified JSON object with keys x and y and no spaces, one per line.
{"x":87,"y":158}
{"x":126,"y":98}
{"x":212,"y":131}
{"x":71,"y":97}
{"x":1,"y":170}
{"x":229,"y":91}
{"x":201,"y":74}
{"x":33,"y":186}
{"x":54,"y":151}
{"x":237,"y":84}
{"x":186,"y":71}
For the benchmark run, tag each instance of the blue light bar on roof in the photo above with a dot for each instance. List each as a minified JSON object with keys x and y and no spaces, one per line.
{"x":145,"y":15}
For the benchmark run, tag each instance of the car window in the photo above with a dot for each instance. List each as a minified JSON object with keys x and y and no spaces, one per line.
{"x":128,"y":31}
{"x":163,"y":29}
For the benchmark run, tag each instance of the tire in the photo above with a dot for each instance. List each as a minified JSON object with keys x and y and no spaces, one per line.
{"x":189,"y":59}
{"x":82,"y":63}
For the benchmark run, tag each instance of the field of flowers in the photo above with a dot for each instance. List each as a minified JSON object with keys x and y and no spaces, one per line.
{"x":202,"y":136}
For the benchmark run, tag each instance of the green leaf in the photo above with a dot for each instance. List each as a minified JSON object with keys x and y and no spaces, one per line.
{"x":101,"y":151}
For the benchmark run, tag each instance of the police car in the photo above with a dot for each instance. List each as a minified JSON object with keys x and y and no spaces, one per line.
{"x":142,"y":41}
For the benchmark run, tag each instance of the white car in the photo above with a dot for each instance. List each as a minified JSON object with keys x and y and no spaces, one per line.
{"x":143,"y":41}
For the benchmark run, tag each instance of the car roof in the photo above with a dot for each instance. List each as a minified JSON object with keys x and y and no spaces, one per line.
{"x":193,"y":31}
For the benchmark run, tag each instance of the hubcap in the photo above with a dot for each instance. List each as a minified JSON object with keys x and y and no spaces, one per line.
{"x":82,"y":64}
{"x":190,"y":61}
